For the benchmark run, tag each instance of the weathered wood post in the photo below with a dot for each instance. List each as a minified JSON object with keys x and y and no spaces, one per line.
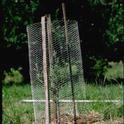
{"x":45,"y":70}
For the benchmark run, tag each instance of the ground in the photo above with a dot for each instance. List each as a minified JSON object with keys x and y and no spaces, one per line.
{"x":16,"y":112}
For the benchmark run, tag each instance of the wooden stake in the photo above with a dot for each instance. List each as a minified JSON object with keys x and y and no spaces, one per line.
{"x":50,"y":54}
{"x":45,"y":70}
{"x":50,"y":44}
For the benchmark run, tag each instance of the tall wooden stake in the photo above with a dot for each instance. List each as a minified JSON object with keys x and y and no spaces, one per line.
{"x":45,"y":71}
{"x":69,"y":60}
{"x":50,"y":54}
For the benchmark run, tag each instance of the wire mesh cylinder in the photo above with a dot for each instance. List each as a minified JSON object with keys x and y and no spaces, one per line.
{"x":65,"y":70}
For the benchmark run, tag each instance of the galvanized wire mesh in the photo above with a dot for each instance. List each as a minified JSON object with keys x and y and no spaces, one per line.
{"x":36,"y":65}
{"x":67,"y":96}
{"x":65,"y":69}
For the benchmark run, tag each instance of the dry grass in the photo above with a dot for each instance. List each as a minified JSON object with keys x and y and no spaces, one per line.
{"x":92,"y":118}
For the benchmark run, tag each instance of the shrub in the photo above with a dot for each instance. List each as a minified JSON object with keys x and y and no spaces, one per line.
{"x":100,"y":67}
{"x":97,"y":69}
{"x":14,"y":76}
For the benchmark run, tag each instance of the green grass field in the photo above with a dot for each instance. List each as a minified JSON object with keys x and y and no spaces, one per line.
{"x":16,"y":112}
{"x":116,"y":70}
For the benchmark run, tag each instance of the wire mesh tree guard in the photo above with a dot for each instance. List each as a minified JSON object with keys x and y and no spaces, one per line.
{"x":55,"y":67}
{"x":56,"y":70}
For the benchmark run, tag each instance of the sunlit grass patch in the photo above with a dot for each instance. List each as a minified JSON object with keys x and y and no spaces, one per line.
{"x":115,"y":71}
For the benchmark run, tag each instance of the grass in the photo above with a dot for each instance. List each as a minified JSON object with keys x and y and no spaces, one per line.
{"x":116,"y":70}
{"x":108,"y":92}
{"x":98,"y":92}
{"x":15,"y":112}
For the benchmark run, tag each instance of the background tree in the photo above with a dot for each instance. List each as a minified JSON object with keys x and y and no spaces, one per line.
{"x":100,"y":26}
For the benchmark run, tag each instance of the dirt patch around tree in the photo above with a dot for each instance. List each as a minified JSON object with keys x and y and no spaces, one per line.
{"x":91,"y":118}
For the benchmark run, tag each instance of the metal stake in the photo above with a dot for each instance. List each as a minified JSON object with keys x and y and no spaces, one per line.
{"x":69,"y":60}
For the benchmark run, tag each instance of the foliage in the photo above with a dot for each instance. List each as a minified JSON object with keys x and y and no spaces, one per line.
{"x":20,"y":14}
{"x":17,"y":17}
{"x":61,"y":73}
{"x":115,"y":71}
{"x":102,"y":25}
{"x":15,"y":112}
{"x":97,"y":67}
{"x":100,"y":67}
{"x":115,"y":28}
{"x":13,"y":77}
{"x":113,"y":31}
{"x":107,"y":36}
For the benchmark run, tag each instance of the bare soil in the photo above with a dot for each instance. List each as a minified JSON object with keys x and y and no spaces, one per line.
{"x":91,"y":118}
